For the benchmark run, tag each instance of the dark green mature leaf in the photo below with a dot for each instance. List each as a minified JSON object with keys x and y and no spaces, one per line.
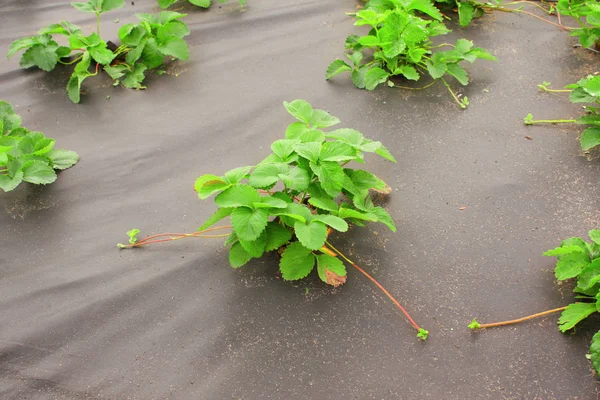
{"x":336,"y":67}
{"x":574,"y":314}
{"x":299,"y":109}
{"x":216,"y":217}
{"x":151,"y":55}
{"x":466,"y":11}
{"x":590,"y":138}
{"x":296,"y":262}
{"x":331,"y":270}
{"x":248,"y":224}
{"x":41,"y":55}
{"x":277,"y":236}
{"x":255,"y":248}
{"x":133,"y":79}
{"x":312,"y":235}
{"x":238,"y":256}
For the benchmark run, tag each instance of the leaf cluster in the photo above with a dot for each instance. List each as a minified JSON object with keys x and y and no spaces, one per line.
{"x":27,"y":156}
{"x":200,"y":3}
{"x":294,"y":197}
{"x":587,"y":90}
{"x":467,"y":10}
{"x":580,"y":260}
{"x":143,"y":46}
{"x":401,"y":45}
{"x":587,"y":15}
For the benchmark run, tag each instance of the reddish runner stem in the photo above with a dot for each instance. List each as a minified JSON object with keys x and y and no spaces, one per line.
{"x":516,"y":321}
{"x":413,"y":323}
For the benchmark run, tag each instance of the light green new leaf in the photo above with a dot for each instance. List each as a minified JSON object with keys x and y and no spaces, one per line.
{"x":374,"y":77}
{"x":270,"y":202}
{"x":331,"y":175}
{"x":166,"y":3}
{"x":571,"y":265}
{"x":590,"y":138}
{"x":175,"y":47}
{"x":312,"y":235}
{"x":296,"y":179}
{"x":38,"y":172}
{"x":208,"y":184}
{"x":589,"y":276}
{"x":216,"y":217}
{"x":574,"y":314}
{"x":595,"y":352}
{"x":296,"y":262}
{"x":201,"y":3}
{"x":248,"y":224}
{"x":238,"y":256}
{"x":62,"y":159}
{"x":310,"y":151}
{"x":277,"y":236}
{"x":296,"y":129}
{"x":335,"y":222}
{"x":595,"y":235}
{"x":300,"y":109}
{"x":337,"y":151}
{"x":238,"y":196}
{"x":266,"y":175}
{"x":322,"y":119}
{"x":7,"y":183}
{"x":236,"y":175}
{"x":331,"y":270}
{"x":459,"y":73}
{"x":336,"y":67}
{"x":562,"y":250}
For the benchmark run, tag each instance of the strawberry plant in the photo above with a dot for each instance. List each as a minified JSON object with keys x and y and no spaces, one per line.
{"x":144,"y":46}
{"x":400,"y":41}
{"x":580,"y":260}
{"x":199,"y":3}
{"x":292,"y":200}
{"x":586,"y":90}
{"x":27,"y":156}
{"x":587,"y":15}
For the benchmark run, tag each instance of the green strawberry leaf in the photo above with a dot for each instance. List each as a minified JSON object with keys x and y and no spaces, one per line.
{"x":238,"y":256}
{"x":216,"y":217}
{"x":238,"y":196}
{"x":331,"y":270}
{"x":296,"y":262}
{"x":248,"y":224}
{"x":574,"y":314}
{"x":208,"y":184}
{"x":300,"y":110}
{"x":312,"y":235}
{"x":277,"y":236}
{"x":255,"y":248}
{"x":336,"y":67}
{"x":595,"y":352}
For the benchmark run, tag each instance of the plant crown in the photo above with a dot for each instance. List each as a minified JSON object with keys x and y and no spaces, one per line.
{"x":143,"y":46}
{"x":579,"y":259}
{"x":291,"y":199}
{"x":401,"y":44}
{"x":27,"y":156}
{"x":200,"y":3}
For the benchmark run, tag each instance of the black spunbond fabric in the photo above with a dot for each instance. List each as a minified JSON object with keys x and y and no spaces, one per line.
{"x":80,"y":319}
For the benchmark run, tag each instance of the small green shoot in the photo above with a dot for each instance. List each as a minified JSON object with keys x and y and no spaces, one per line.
{"x":422,"y":334}
{"x":133,"y":235}
{"x":474,"y":325}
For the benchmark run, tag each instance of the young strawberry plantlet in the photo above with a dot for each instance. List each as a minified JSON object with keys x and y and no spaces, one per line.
{"x":200,"y":3}
{"x":27,"y":156}
{"x":580,"y":260}
{"x":586,"y":90}
{"x":401,"y":45}
{"x":144,"y":46}
{"x":292,"y":200}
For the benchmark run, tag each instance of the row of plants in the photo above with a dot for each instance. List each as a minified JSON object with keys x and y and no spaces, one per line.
{"x":143,"y":46}
{"x":400,"y":42}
